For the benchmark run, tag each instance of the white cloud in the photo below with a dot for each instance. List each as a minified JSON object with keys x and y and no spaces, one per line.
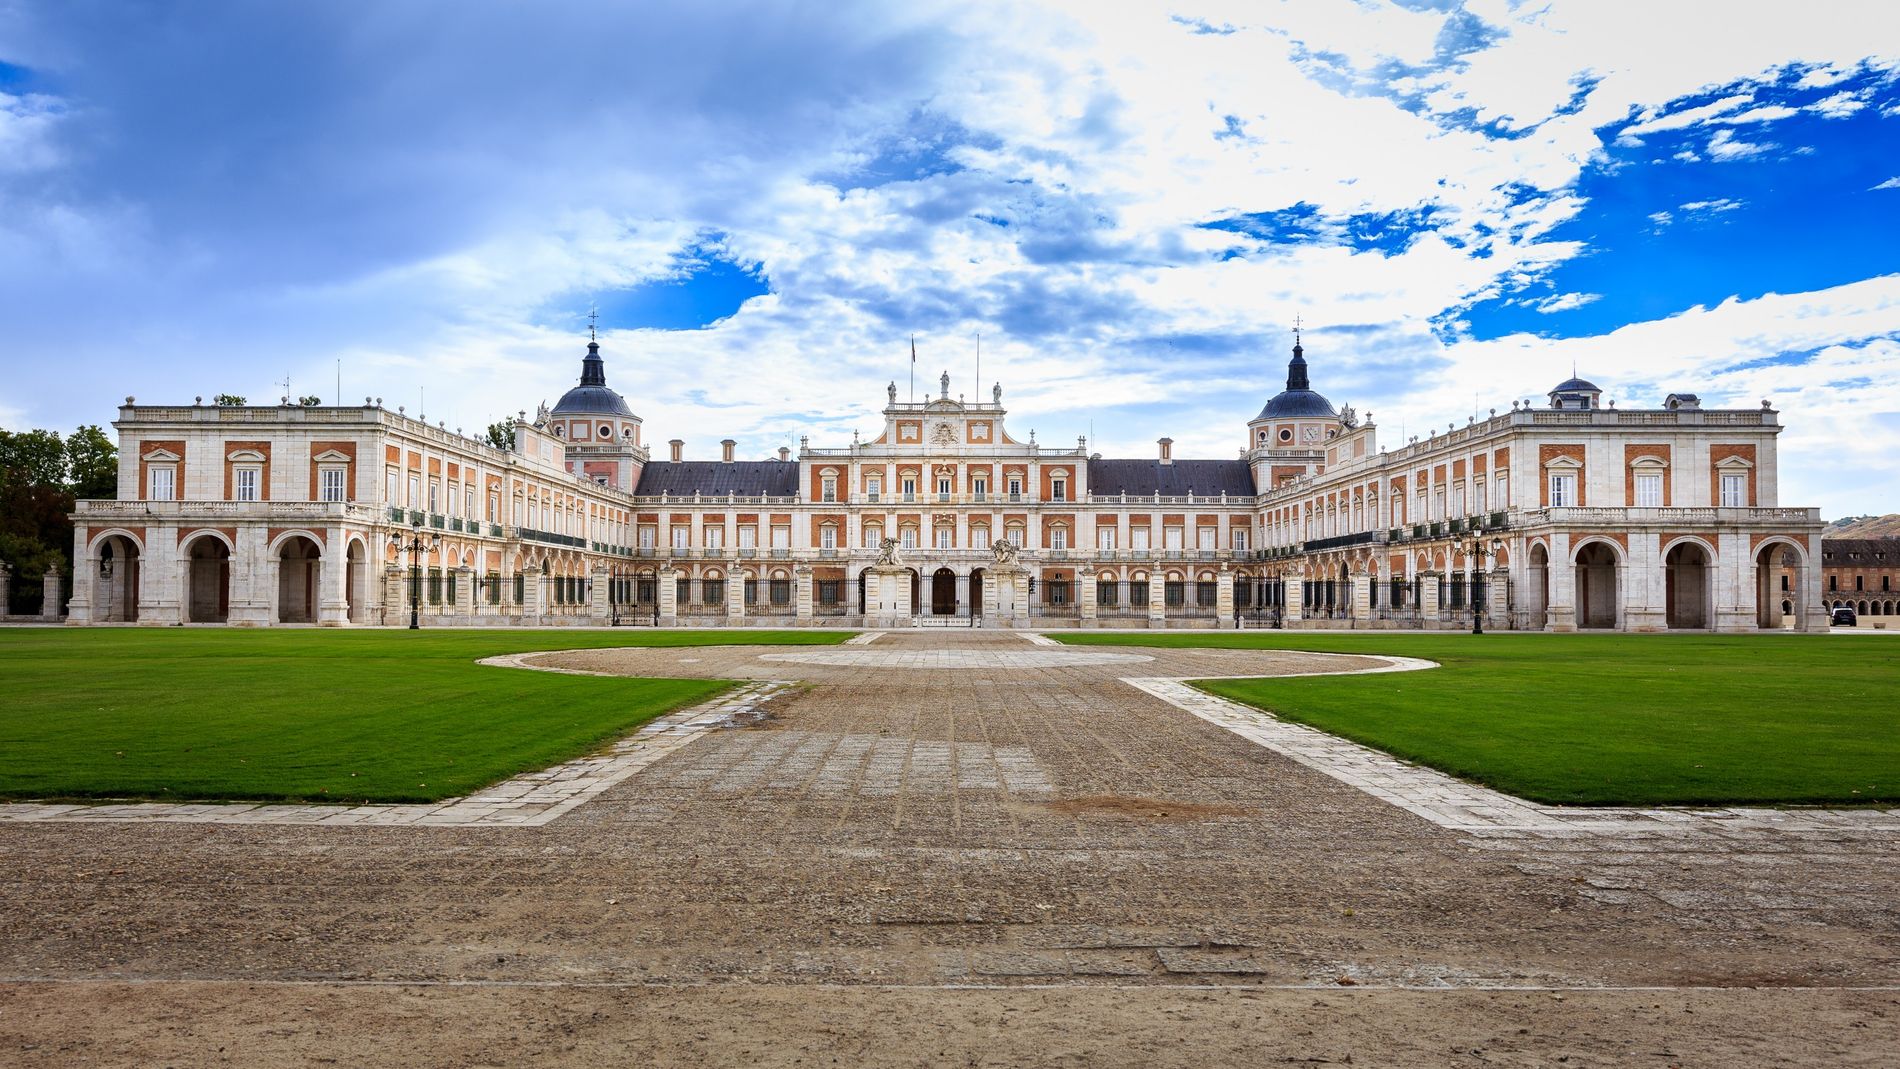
{"x":1891,"y":183}
{"x":1564,"y":302}
{"x":1725,"y":146}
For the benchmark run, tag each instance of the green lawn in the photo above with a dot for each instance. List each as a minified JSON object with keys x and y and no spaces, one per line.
{"x":1607,"y":719}
{"x":347,"y":716}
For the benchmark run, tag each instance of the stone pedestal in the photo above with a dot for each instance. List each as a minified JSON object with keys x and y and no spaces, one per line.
{"x":802,"y":582}
{"x":1224,"y":598}
{"x":887,"y":591}
{"x":50,"y":595}
{"x":1497,"y":609}
{"x":395,"y":595}
{"x":462,"y":582}
{"x":1085,"y":594}
{"x":533,"y":595}
{"x":1428,"y":600}
{"x":85,"y":572}
{"x":6,"y":589}
{"x":333,"y":581}
{"x":598,"y":592}
{"x":735,"y":598}
{"x":667,"y":591}
{"x":1295,"y":589}
{"x":1361,"y":605}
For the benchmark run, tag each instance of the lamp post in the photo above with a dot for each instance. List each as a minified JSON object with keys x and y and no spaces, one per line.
{"x":1477,"y":551}
{"x":415,"y":545}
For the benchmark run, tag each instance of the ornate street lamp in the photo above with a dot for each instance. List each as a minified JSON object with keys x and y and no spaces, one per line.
{"x":1477,"y":551}
{"x":416,"y":546}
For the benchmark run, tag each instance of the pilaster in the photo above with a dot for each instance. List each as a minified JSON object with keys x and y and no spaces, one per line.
{"x":803,"y":580}
{"x":667,"y":591}
{"x":597,"y":592}
{"x":1224,"y":597}
{"x":735,"y":597}
{"x":1085,"y":596}
{"x":50,"y":595}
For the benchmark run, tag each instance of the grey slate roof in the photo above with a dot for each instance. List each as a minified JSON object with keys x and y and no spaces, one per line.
{"x":1145,"y":478}
{"x":713,"y":478}
{"x":1865,"y":552}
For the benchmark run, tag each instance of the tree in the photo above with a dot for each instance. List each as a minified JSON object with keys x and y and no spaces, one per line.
{"x":92,"y":463}
{"x":310,"y":400}
{"x":35,"y":533}
{"x":32,"y":458}
{"x":227,"y":400}
{"x":502,"y":435}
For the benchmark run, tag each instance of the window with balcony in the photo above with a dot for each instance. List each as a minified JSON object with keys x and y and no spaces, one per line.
{"x":980,"y":486}
{"x":944,"y":484}
{"x":874,"y":487}
{"x":1015,"y":489}
{"x":415,"y":492}
{"x":909,"y":488}
{"x":435,"y":496}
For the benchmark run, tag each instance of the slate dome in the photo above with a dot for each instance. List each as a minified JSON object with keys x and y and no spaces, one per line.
{"x":592,"y":397}
{"x":1298,"y":400}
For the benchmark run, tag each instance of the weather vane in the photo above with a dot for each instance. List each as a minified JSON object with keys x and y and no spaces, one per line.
{"x":592,"y":315}
{"x":1296,"y":328}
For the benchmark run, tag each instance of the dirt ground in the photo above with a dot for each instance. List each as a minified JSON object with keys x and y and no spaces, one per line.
{"x":961,"y":852}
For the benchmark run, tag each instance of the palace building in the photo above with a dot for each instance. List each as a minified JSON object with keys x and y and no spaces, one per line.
{"x":1570,"y":515}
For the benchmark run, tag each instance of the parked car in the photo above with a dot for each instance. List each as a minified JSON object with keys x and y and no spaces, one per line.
{"x":1844,"y":616}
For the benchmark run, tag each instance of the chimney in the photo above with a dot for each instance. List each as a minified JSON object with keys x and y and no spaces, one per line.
{"x":679,"y":450}
{"x":1167,"y":450}
{"x":726,"y":446}
{"x":784,"y":454}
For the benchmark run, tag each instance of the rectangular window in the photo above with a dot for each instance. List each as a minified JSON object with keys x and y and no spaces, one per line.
{"x":1477,"y":495}
{"x":781,"y":591}
{"x":1059,"y":538}
{"x":909,"y":539}
{"x":874,"y":486}
{"x":828,"y":488}
{"x":682,"y":536}
{"x":246,"y":479}
{"x":827,"y":537}
{"x":980,"y":487}
{"x":1105,"y":538}
{"x":909,"y":487}
{"x":1206,"y":595}
{"x":1240,"y":540}
{"x":715,"y":537}
{"x":946,"y":538}
{"x":1175,"y":594}
{"x":468,"y":502}
{"x":1649,"y":491}
{"x":1563,"y":490}
{"x":944,"y":483}
{"x":494,"y":506}
{"x":435,"y":494}
{"x":1058,"y":592}
{"x":979,"y":538}
{"x":1015,"y":489}
{"x":1171,"y":538}
{"x":1138,"y":594}
{"x":748,"y":537}
{"x":415,"y":491}
{"x":330,"y":484}
{"x":1734,"y":491}
{"x":389,"y":488}
{"x":1058,"y":490}
{"x":1138,"y":538}
{"x":829,"y":591}
{"x":781,"y":538}
{"x":163,"y":483}
{"x":873,"y":537}
{"x":1504,"y":491}
{"x":1209,"y":537}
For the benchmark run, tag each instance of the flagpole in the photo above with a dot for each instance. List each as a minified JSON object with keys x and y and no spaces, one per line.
{"x":978,"y":384}
{"x":913,"y":369}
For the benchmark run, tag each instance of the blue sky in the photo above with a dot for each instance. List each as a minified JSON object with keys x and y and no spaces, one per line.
{"x":1129,"y":202}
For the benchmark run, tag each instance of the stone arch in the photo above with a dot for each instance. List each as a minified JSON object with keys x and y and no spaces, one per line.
{"x":355,"y":579}
{"x":1773,"y":555}
{"x":115,"y":559}
{"x":1537,"y":584}
{"x":1688,"y":565}
{"x":206,"y":556}
{"x":298,"y":558}
{"x":1599,"y":567}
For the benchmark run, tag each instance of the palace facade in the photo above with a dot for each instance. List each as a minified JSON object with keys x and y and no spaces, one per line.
{"x":1566,"y":516}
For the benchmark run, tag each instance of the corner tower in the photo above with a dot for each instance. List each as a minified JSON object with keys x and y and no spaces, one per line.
{"x":1288,"y":438}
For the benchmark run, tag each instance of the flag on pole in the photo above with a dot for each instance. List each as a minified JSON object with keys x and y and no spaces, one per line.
{"x":913,"y":348}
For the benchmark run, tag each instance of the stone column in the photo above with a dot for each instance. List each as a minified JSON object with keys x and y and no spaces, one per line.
{"x":1732,"y":577}
{"x":735,"y":597}
{"x":1361,"y":605}
{"x":1085,"y":595}
{"x":598,"y":605}
{"x":1157,"y":599}
{"x":1497,"y":610}
{"x":991,"y":610}
{"x":1644,"y":595}
{"x":1428,"y":599}
{"x":802,"y":580}
{"x":50,"y":595}
{"x":464,"y":579}
{"x":1295,"y":589}
{"x":1561,"y":612}
{"x":253,"y":578}
{"x":85,"y":577}
{"x":533,"y":595}
{"x":333,"y":580}
{"x":1224,"y":597}
{"x":667,"y":592}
